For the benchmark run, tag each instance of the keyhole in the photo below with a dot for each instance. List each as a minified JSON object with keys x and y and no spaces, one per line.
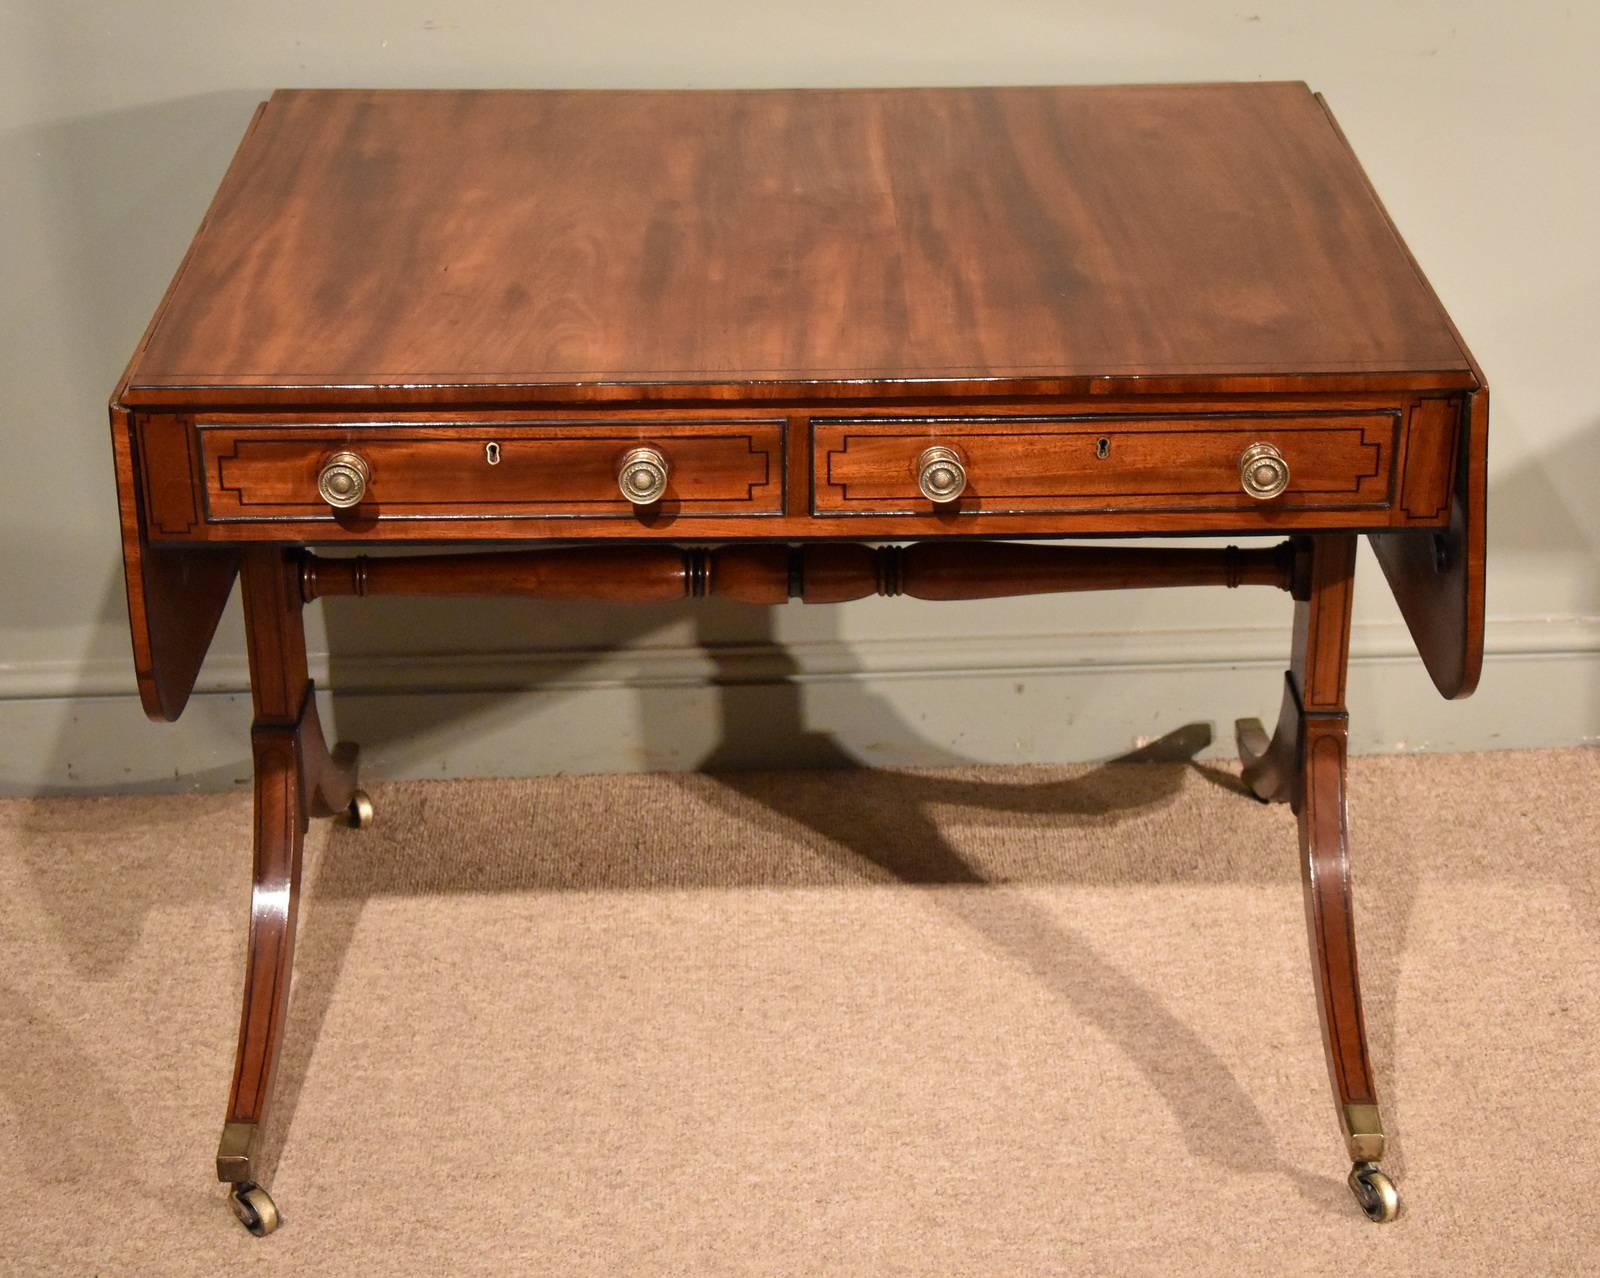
{"x":491,"y":454}
{"x":1102,"y":448}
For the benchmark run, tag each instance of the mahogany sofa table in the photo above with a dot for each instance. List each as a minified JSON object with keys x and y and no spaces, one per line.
{"x":668,"y":344}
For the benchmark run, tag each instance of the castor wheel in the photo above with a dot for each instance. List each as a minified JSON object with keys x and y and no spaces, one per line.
{"x":360,"y":813}
{"x":255,"y":1209}
{"x":1375,"y":1192}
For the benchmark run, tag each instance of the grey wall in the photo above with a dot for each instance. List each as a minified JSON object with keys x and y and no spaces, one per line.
{"x":1475,"y":120}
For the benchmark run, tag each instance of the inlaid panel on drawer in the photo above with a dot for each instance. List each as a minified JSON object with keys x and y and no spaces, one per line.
{"x":499,"y":471}
{"x":1112,"y":463}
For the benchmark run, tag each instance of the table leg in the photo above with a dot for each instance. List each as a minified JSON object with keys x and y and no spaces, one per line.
{"x":296,"y":777}
{"x":1304,"y":764}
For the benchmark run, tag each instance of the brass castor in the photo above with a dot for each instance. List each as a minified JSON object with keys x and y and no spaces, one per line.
{"x":359,"y":816}
{"x":1375,"y":1192}
{"x":255,"y":1209}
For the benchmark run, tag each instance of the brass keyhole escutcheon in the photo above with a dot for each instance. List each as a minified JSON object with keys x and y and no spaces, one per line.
{"x":491,"y":454}
{"x":1102,"y":448}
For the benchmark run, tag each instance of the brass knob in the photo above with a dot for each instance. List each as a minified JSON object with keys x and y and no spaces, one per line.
{"x":342,"y":481}
{"x":940,"y":474}
{"x":1263,"y":472}
{"x":642,"y":475}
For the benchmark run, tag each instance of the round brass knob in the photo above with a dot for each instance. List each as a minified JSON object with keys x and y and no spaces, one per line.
{"x":642,"y":475}
{"x":940,"y":474}
{"x":342,"y":481}
{"x":1263,"y":472}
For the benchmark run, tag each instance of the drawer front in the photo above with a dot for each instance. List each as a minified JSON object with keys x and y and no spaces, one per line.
{"x":1103,"y":464}
{"x":255,"y":474}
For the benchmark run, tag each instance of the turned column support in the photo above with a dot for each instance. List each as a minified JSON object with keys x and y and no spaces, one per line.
{"x":824,"y":572}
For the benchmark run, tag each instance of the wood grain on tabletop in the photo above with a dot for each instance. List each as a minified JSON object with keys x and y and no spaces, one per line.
{"x":400,"y":239}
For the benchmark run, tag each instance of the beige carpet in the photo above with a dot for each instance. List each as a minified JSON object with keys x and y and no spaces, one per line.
{"x":1003,"y":1021}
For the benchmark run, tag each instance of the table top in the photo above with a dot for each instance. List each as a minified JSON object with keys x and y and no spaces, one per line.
{"x":509,"y":246}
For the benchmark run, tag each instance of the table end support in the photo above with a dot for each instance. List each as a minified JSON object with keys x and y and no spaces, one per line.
{"x":297,"y":777}
{"x":1305,"y":764}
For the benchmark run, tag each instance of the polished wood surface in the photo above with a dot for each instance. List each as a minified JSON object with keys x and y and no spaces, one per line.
{"x":389,"y":246}
{"x":1438,"y":581}
{"x":175,"y":596}
{"x":1144,"y":464}
{"x":729,"y":468}
{"x":1367,"y":462}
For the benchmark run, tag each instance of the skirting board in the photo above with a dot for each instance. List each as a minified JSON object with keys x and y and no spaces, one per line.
{"x":878,"y":703}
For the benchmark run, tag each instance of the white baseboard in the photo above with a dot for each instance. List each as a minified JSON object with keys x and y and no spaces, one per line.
{"x":1035,"y":698}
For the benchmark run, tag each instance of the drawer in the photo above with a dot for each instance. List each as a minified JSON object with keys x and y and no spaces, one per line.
{"x":1102,"y":463}
{"x":255,"y":473}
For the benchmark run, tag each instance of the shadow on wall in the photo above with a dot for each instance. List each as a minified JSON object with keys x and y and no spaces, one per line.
{"x":1540,"y":525}
{"x":748,"y":723}
{"x":1531,"y":516}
